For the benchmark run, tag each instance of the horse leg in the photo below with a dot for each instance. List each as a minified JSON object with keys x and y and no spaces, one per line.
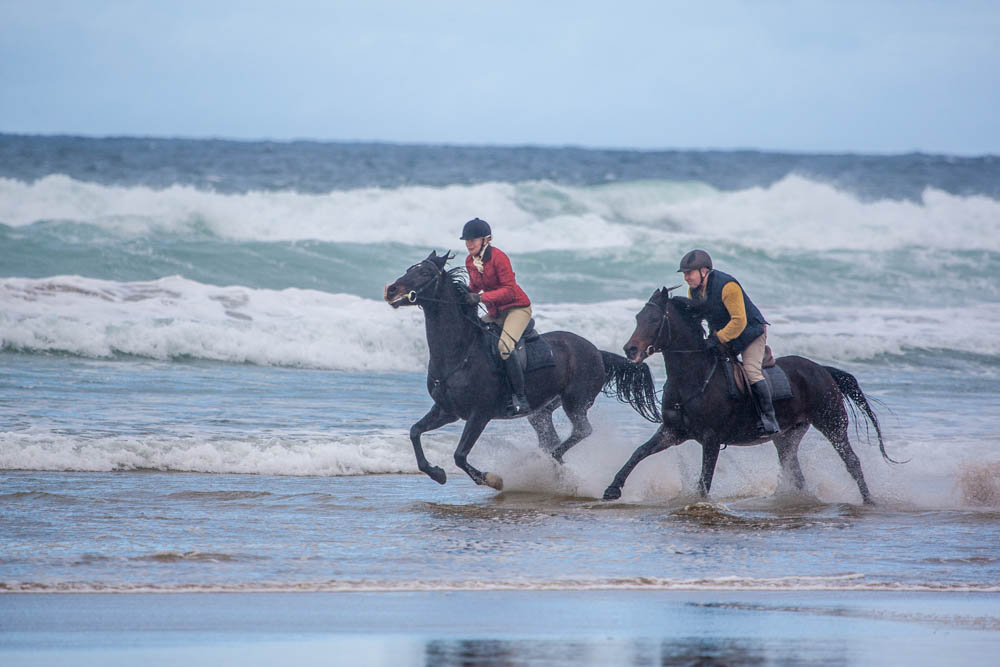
{"x":541,"y":421}
{"x":581,"y":429}
{"x":662,"y":439}
{"x":709,"y":457}
{"x":835,"y":430}
{"x":787,"y":444}
{"x":436,"y":418}
{"x":474,"y":426}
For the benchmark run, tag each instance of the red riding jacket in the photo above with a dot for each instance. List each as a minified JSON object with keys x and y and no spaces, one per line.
{"x":496,"y":282}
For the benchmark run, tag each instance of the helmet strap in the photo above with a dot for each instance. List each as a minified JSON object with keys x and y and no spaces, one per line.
{"x":477,"y":259}
{"x":702,"y":277}
{"x":486,"y":243}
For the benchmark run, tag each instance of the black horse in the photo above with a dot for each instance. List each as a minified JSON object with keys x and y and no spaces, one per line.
{"x":465,"y":383}
{"x":696,"y":403}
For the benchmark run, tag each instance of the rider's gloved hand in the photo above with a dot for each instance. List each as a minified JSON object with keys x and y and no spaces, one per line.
{"x":718,"y":346}
{"x":472,"y":298}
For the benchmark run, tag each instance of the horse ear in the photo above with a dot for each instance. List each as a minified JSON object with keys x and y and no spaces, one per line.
{"x":668,"y":290}
{"x":439,"y":260}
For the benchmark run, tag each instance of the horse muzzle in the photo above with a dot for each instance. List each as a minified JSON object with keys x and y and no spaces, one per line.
{"x":636,"y":355}
{"x":396,"y":297}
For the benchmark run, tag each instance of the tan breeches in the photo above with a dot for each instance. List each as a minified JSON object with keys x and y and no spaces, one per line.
{"x":513,"y":322}
{"x":753,"y":356}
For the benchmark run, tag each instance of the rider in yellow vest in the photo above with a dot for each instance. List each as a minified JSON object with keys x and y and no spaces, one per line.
{"x":735,"y":325}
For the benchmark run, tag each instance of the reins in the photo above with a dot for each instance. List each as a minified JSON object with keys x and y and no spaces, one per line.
{"x":413,"y":295}
{"x":653,"y":348}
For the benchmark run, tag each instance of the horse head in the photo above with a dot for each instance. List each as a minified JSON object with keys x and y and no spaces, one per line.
{"x":421,"y":279}
{"x":664,"y":323}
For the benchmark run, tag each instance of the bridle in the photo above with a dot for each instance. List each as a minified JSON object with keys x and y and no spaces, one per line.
{"x":418,"y":293}
{"x":653,"y":348}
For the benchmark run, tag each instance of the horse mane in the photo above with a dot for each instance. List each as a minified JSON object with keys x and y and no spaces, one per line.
{"x":692,"y":313}
{"x":457,"y":278}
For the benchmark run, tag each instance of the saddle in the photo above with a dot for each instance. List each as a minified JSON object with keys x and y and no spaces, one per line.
{"x":776,"y":378}
{"x":532,"y":351}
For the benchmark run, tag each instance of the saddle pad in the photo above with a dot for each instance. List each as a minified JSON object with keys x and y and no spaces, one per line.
{"x":532,"y":351}
{"x":781,"y":388}
{"x":539,"y":355}
{"x":777,"y":379}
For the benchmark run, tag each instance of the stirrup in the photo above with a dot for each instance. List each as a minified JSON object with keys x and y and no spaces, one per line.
{"x":517,"y":407}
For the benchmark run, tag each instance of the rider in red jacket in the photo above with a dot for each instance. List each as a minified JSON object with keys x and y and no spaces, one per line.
{"x":491,"y":282}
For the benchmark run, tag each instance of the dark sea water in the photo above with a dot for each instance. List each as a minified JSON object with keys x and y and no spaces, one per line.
{"x":202,"y":389}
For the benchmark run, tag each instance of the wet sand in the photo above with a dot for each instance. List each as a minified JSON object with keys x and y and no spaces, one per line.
{"x":500,"y":627}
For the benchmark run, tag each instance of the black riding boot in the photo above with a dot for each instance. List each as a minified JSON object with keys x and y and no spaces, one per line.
{"x":762,"y":392}
{"x":518,"y":401}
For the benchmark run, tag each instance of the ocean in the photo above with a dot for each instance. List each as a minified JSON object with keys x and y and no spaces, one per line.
{"x":202,"y":389}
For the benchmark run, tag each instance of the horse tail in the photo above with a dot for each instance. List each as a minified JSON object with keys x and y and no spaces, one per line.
{"x":849,"y":387}
{"x":631,"y":383}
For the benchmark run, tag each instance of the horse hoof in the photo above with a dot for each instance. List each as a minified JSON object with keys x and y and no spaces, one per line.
{"x":437,"y":474}
{"x":612,"y":493}
{"x":494,"y":481}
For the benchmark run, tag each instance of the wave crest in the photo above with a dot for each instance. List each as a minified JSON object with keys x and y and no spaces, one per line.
{"x":793,"y":213}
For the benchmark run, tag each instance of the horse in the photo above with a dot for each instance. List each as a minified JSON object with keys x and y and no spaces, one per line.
{"x":696,"y":403}
{"x":465,"y":382}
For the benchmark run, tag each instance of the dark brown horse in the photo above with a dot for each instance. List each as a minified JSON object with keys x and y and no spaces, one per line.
{"x":696,"y":403}
{"x":465,"y":383}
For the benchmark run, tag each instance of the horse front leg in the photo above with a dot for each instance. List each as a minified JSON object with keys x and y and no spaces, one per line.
{"x":436,"y":418}
{"x":662,"y":439}
{"x":474,"y":426}
{"x":709,"y":457}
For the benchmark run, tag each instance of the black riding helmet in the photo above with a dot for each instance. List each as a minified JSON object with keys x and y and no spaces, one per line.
{"x":475,"y":229}
{"x":695,"y":259}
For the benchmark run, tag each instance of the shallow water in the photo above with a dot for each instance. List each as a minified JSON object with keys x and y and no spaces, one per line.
{"x":135,"y":531}
{"x":94,"y":496}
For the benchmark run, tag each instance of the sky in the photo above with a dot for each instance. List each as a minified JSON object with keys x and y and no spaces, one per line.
{"x":806,"y":76}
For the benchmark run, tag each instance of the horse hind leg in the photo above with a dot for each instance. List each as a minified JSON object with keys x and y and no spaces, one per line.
{"x":581,"y":429}
{"x":835,"y":430}
{"x":787,"y":444}
{"x":541,"y":421}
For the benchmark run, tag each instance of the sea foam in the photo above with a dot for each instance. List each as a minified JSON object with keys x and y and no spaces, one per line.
{"x":176,"y":318}
{"x":793,"y":213}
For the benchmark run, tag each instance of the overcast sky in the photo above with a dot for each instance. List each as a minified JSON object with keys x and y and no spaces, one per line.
{"x":835,"y":76}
